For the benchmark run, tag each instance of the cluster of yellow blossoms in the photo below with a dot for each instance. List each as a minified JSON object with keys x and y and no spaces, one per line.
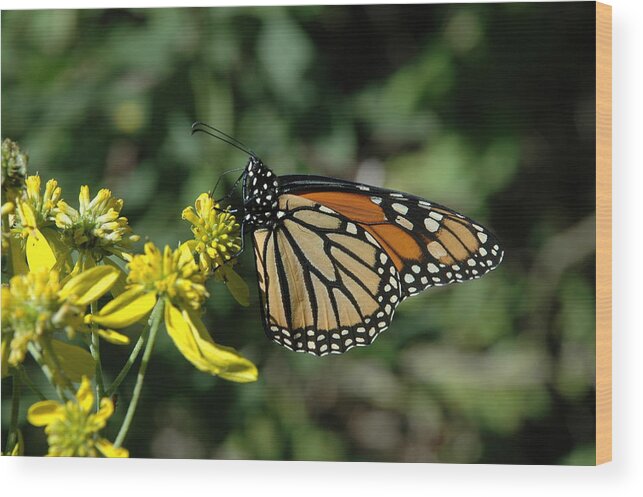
{"x":72,"y":427}
{"x":64,"y":263}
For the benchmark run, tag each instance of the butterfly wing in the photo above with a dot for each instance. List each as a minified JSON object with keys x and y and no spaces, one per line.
{"x":429,"y":244}
{"x":326,"y":283}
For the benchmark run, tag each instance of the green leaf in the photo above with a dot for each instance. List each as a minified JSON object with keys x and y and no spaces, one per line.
{"x":18,"y":257}
{"x":74,"y":361}
{"x":237,"y":287}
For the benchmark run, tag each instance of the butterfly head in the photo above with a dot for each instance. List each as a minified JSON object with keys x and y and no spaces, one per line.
{"x":259,"y":194}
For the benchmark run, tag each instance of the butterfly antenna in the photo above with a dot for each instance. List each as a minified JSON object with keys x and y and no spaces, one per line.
{"x":198,"y":126}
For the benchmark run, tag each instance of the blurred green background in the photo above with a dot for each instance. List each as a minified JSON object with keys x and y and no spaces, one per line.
{"x":488,"y":109}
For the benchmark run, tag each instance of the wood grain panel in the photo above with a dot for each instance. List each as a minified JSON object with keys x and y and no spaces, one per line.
{"x":603,"y":233}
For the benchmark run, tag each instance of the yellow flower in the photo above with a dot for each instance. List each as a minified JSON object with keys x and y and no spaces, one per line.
{"x":29,"y":305}
{"x":217,"y":239}
{"x":97,"y":229}
{"x":37,"y":304}
{"x":36,"y":210}
{"x":216,"y":233}
{"x":34,"y":222}
{"x":174,"y":277}
{"x":72,"y":428}
{"x":171,"y":273}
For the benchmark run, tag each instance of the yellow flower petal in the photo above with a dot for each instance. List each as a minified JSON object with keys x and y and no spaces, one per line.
{"x":39,"y":253}
{"x":105,"y":411}
{"x":114,"y":337}
{"x":193,"y":340}
{"x":90,"y":285}
{"x":45,"y":412}
{"x":190,"y":245}
{"x":29,"y":218}
{"x":85,"y":396}
{"x":181,"y":333}
{"x":234,"y":367}
{"x":108,"y":450}
{"x":189,"y":215}
{"x":84,"y":262}
{"x":126,"y":309}
{"x":61,"y":250}
{"x":119,"y":286}
{"x":74,"y":361}
{"x":236,"y":286}
{"x":8,"y":208}
{"x":185,"y":255}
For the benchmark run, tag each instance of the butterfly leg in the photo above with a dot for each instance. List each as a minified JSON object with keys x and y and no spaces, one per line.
{"x":243,"y":243}
{"x":234,"y":186}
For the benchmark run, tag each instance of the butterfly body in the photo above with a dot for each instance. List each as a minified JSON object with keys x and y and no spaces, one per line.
{"x":259,"y":194}
{"x":335,"y":258}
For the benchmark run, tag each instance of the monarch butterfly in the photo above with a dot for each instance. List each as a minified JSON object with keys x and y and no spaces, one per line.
{"x":335,"y":258}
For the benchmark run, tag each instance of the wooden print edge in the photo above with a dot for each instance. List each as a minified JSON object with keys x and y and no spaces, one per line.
{"x":603,"y":233}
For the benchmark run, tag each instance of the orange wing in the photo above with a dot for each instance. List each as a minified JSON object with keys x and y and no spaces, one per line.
{"x":429,"y":244}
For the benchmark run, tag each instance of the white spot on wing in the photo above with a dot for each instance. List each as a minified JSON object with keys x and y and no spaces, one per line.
{"x":401,"y":208}
{"x":431,"y":224}
{"x":402,"y":221}
{"x":370,"y":238}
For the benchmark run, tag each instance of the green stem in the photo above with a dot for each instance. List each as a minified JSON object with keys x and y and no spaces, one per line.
{"x":130,"y":362}
{"x":29,"y":382}
{"x":35,"y":353}
{"x":12,"y":439}
{"x":95,"y":350}
{"x":155,"y":321}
